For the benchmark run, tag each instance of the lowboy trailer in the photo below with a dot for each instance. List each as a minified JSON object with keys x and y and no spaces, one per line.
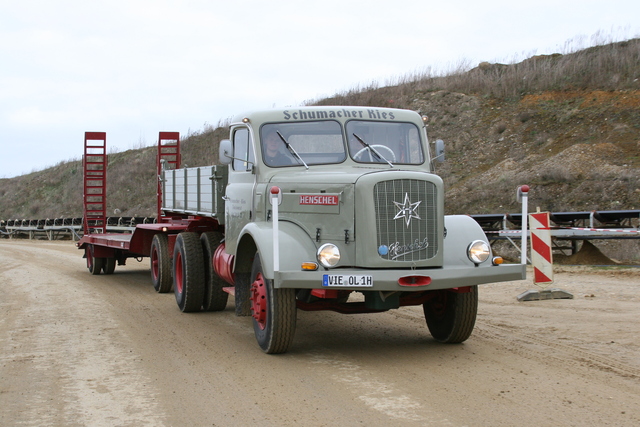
{"x":307,"y":207}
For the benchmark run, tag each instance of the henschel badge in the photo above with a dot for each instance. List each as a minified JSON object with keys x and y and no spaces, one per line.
{"x":407,"y":210}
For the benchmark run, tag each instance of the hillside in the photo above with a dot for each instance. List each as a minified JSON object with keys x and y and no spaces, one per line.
{"x":567,"y":125}
{"x":578,"y":150}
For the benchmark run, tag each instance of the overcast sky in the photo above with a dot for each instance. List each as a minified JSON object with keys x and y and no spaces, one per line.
{"x":132,"y":68}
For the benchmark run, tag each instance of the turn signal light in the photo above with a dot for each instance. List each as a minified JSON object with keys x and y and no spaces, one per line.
{"x":497,"y":260}
{"x":310,"y":266}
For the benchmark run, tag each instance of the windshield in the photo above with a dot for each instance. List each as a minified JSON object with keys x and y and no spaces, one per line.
{"x":302,"y":144}
{"x":384,"y":142}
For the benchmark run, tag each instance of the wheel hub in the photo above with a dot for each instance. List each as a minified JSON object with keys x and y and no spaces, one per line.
{"x":438,"y":304}
{"x":259,"y":301}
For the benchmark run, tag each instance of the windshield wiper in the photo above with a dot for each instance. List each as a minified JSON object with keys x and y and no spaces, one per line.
{"x":372,"y":150}
{"x":292,"y":150}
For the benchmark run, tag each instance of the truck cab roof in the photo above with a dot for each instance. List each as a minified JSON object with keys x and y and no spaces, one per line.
{"x":331,"y":135}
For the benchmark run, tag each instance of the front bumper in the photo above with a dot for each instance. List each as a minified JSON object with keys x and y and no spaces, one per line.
{"x":387,"y":280}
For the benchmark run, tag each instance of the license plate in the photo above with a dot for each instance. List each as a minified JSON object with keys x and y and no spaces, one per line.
{"x":361,"y":280}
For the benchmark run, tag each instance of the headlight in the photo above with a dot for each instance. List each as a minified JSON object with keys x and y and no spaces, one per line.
{"x":478,"y":251}
{"x":328,"y":255}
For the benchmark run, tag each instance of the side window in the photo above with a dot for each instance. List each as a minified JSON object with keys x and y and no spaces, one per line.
{"x":242,"y":150}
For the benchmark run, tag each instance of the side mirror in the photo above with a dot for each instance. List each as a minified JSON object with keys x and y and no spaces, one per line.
{"x":439,"y":151}
{"x":225,"y":152}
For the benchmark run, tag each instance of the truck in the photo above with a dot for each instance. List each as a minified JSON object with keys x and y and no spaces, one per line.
{"x":310,"y":208}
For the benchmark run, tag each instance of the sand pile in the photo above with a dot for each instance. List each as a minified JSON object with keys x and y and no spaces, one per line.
{"x":587,"y":255}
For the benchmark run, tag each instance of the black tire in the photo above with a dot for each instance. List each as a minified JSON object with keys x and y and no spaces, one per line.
{"x":94,"y":264}
{"x":451,"y":316}
{"x":273,"y":312}
{"x":215,"y":299}
{"x":160,"y":262}
{"x":109,"y":265}
{"x":188,"y":272}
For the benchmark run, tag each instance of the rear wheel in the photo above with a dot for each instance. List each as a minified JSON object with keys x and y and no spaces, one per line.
{"x":215,"y":299}
{"x":451,"y":316}
{"x":188,"y":272}
{"x":160,"y":263}
{"x":273,"y":312}
{"x":94,"y":264}
{"x":109,"y":265}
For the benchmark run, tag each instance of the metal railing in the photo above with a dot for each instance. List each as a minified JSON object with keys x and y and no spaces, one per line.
{"x":64,"y":228}
{"x":567,"y":227}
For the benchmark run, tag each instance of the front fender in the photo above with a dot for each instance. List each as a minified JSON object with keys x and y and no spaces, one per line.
{"x":461,"y":231}
{"x":295,"y":245}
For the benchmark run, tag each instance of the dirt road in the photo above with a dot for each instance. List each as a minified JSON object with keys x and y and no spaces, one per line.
{"x":79,"y":350}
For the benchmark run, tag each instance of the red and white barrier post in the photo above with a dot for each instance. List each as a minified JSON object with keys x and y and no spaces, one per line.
{"x":541,"y":255}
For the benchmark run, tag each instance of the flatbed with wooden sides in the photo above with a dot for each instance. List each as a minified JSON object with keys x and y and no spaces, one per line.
{"x":307,"y":207}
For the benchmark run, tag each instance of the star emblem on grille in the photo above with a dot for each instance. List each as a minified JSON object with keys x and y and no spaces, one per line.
{"x":407,"y":210}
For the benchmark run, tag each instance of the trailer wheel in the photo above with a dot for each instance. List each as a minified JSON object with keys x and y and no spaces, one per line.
{"x":451,"y":316}
{"x":160,"y":264}
{"x":273,"y":311}
{"x":215,"y":299}
{"x":94,"y":264}
{"x":188,"y":272}
{"x":109,"y":265}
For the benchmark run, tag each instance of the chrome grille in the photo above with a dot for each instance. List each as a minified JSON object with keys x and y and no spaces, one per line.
{"x":406,"y":219}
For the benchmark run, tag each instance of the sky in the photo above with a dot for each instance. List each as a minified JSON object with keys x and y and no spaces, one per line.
{"x":133,"y":68}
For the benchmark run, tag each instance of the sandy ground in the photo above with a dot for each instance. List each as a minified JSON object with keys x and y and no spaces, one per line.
{"x":82,"y":350}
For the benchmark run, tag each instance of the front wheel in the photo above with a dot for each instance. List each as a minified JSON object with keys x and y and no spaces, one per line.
{"x":273,"y":312}
{"x":450,"y":315}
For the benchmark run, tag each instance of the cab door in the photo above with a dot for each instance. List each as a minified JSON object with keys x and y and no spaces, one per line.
{"x":239,"y":204}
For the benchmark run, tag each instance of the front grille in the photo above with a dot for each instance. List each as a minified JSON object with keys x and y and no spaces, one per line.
{"x":406,"y":219}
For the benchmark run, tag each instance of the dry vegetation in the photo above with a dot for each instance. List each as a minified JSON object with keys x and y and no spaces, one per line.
{"x":607,"y":67}
{"x":568,"y":125}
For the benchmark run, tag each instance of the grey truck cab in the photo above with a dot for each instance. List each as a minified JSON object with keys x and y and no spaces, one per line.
{"x":359,"y":210}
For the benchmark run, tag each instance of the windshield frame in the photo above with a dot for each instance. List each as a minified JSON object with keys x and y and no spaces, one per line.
{"x":396,"y":153}
{"x":291,"y":139}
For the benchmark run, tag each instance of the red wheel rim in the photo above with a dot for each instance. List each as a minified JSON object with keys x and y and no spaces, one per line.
{"x":259,"y":301}
{"x":154,"y":264}
{"x":179,"y":278}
